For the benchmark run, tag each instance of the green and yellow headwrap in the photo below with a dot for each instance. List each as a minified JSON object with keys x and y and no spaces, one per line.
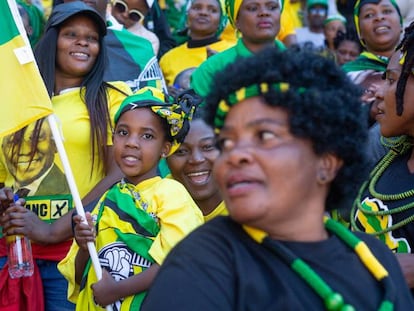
{"x":178,"y":113}
{"x":233,"y":7}
{"x":244,"y":93}
{"x":357,"y":8}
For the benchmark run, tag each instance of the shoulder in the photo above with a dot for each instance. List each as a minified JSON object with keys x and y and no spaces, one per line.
{"x":120,"y":86}
{"x":379,"y":250}
{"x":174,"y":52}
{"x":215,"y":62}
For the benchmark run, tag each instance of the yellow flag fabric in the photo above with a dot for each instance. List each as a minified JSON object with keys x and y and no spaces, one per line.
{"x":24,"y":98}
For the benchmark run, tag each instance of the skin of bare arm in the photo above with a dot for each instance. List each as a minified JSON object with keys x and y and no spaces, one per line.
{"x":18,"y":220}
{"x":407,"y":266}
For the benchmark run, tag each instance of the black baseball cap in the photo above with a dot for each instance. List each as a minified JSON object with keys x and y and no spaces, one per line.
{"x":64,"y":11}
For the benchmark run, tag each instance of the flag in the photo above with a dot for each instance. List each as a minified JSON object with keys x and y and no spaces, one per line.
{"x":24,"y":98}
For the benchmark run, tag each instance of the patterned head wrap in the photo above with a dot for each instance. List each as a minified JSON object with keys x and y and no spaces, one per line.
{"x":178,"y":113}
{"x":233,"y":7}
{"x":247,"y":92}
{"x":357,"y":8}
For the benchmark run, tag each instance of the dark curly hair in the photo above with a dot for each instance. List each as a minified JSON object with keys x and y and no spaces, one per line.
{"x":406,"y":46}
{"x":328,"y":112}
{"x":349,"y":35}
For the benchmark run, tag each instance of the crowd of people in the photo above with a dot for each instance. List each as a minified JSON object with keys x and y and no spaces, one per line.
{"x":229,"y":154}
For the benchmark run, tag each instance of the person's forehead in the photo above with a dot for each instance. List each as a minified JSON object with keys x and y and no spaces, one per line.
{"x":375,"y":4}
{"x":136,"y":4}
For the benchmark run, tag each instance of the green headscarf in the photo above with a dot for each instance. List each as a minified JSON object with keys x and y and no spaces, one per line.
{"x":178,"y":113}
{"x":357,"y":8}
{"x":233,"y":7}
{"x":36,"y":20}
{"x":182,"y":29}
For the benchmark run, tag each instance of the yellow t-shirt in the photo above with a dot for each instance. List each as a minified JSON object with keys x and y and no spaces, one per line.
{"x":181,"y":58}
{"x":220,"y":210}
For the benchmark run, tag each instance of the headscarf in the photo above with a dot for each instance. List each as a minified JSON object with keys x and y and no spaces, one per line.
{"x":36,"y":21}
{"x":357,"y":8}
{"x":335,"y":17}
{"x":177,"y":112}
{"x":233,"y":7}
{"x":222,"y":22}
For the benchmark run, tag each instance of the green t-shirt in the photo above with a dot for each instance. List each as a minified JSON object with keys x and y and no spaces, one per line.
{"x":201,"y":79}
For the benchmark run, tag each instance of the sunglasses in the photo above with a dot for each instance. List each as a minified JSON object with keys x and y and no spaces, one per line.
{"x":318,"y":11}
{"x":133,"y":14}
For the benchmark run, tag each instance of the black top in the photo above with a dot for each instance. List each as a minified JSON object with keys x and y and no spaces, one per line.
{"x":220,"y":267}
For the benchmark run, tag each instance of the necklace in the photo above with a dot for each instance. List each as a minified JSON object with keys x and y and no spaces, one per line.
{"x":398,"y":147}
{"x":334,"y":301}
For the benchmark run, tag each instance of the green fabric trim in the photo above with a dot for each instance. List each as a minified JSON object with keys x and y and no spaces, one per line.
{"x":366,"y":61}
{"x":8,"y":27}
{"x":122,"y":195}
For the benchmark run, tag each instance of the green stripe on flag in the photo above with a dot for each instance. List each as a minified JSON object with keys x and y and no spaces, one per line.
{"x":7,"y":25}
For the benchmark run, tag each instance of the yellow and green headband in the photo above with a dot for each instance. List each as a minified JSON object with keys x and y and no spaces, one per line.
{"x":233,"y":7}
{"x":244,"y":93}
{"x":178,"y":114}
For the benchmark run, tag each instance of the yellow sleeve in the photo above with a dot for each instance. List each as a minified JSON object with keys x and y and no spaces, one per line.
{"x":178,"y":216}
{"x":67,"y":267}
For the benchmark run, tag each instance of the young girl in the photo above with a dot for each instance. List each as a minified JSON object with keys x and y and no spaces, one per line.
{"x":139,"y":219}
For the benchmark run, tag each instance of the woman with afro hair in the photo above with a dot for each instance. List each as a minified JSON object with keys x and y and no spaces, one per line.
{"x":290,"y":150}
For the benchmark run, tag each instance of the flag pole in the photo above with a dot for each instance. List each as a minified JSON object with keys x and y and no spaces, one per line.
{"x":75,"y":193}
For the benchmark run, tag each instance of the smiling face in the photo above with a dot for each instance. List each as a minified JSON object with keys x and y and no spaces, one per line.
{"x":258,"y":21}
{"x":392,"y":124}
{"x":267,"y":176}
{"x":380,"y":27}
{"x":192,"y":165}
{"x":203,"y":18}
{"x":25,"y":164}
{"x":77,"y":48}
{"x":139,"y":142}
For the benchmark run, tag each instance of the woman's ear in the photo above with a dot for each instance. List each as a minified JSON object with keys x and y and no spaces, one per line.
{"x":328,"y":167}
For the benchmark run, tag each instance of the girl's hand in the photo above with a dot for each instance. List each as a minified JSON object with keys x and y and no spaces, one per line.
{"x":105,"y":290}
{"x":84,"y":233}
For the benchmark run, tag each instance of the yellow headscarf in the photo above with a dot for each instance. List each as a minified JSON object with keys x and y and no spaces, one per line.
{"x":233,"y":7}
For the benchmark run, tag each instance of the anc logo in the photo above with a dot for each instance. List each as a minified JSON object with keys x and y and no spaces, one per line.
{"x":374,"y":223}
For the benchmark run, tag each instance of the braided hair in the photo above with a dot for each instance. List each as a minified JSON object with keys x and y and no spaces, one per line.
{"x":406,"y":47}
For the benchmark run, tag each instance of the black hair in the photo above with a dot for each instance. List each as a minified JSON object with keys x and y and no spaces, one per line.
{"x":349,"y":35}
{"x":328,"y":112}
{"x":406,"y":46}
{"x":95,"y":89}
